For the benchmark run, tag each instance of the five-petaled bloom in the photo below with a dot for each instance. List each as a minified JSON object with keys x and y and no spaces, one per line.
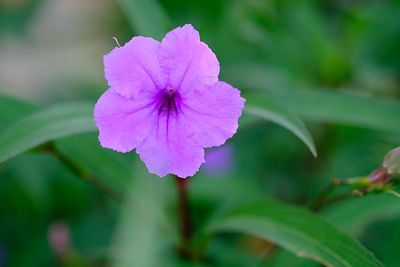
{"x":166,"y":102}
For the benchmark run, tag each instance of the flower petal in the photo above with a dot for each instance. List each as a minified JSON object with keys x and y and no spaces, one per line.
{"x":123,"y":122}
{"x":168,"y":148}
{"x":134,"y":67}
{"x":188,"y":62}
{"x":213,"y":113}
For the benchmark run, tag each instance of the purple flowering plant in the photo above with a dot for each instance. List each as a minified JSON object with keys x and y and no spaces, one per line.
{"x":165,"y":101}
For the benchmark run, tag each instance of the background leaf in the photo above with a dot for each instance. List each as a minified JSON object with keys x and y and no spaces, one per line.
{"x":270,"y":111}
{"x":295,"y":230}
{"x":12,"y":109}
{"x":112,"y":169}
{"x":45,"y":125}
{"x":351,"y":217}
{"x":344,"y":108}
{"x":137,"y":236}
{"x":326,"y":106}
{"x":146,"y":17}
{"x":354,"y":215}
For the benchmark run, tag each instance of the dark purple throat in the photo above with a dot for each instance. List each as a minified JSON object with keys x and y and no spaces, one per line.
{"x":168,"y":101}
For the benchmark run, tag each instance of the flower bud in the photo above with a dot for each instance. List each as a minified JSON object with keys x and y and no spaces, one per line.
{"x":392,"y":161}
{"x":59,"y":238}
{"x":379,"y":177}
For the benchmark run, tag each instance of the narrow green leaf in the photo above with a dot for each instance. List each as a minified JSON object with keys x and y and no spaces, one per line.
{"x":144,"y":234}
{"x":338,"y":108}
{"x":146,"y":17}
{"x":319,"y":105}
{"x":112,"y":169}
{"x":284,"y":258}
{"x":296,"y":230}
{"x":270,"y":111}
{"x":12,"y":109}
{"x":45,"y":125}
{"x":343,"y":108}
{"x":353,"y":216}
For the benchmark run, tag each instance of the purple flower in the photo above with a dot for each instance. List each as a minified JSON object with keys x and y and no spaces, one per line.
{"x":219,"y":160}
{"x":166,"y":102}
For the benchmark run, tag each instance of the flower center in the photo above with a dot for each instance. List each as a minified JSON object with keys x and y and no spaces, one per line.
{"x":168,"y":101}
{"x":170,"y":91}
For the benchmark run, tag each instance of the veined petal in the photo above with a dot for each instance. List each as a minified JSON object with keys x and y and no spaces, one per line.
{"x":213,"y":113}
{"x":134,"y":67}
{"x":123,"y":122}
{"x":188,"y":62}
{"x":169,"y":149}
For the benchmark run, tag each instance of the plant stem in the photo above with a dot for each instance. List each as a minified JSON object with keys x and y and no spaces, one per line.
{"x":184,"y":217}
{"x":322,"y":197}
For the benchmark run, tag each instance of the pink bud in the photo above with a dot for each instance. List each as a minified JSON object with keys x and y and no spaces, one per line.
{"x":392,"y":161}
{"x":379,"y":177}
{"x":59,"y":238}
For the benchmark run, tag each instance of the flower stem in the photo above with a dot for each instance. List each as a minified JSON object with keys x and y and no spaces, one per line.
{"x":184,"y":217}
{"x":322,"y":198}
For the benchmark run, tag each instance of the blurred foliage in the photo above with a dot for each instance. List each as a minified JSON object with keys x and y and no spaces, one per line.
{"x":334,"y":64}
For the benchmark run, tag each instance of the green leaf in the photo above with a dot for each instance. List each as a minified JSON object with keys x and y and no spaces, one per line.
{"x":353,"y":216}
{"x":339,"y":108}
{"x":284,"y":258}
{"x":45,"y":125}
{"x":112,"y":169}
{"x":146,"y":17}
{"x":270,"y":111}
{"x":296,"y":230}
{"x":343,"y":108}
{"x":319,"y":105}
{"x":12,"y":109}
{"x":144,"y":234}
